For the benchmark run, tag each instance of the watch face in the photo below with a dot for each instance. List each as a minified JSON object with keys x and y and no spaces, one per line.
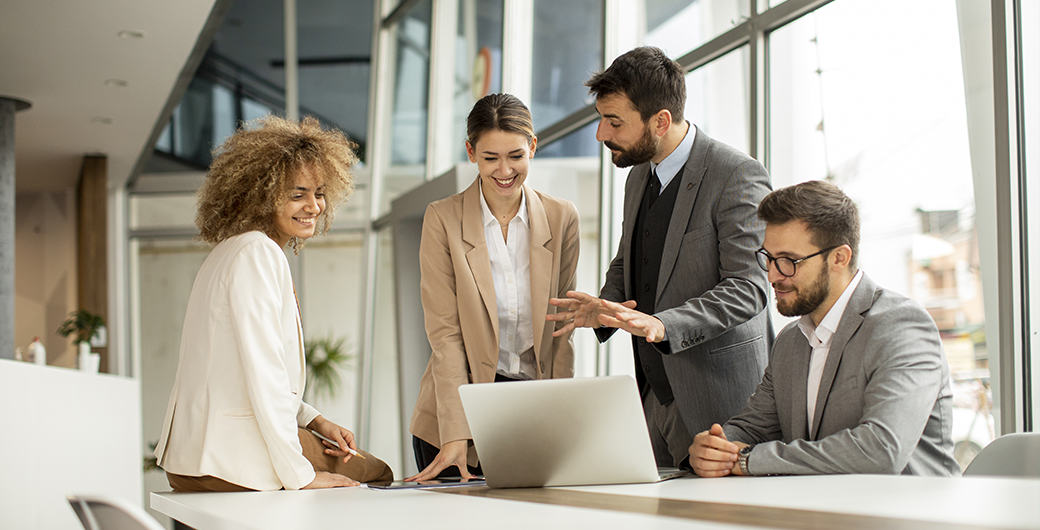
{"x":746,"y":450}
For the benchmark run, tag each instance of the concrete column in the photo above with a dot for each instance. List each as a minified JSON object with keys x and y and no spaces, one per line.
{"x":8,"y":107}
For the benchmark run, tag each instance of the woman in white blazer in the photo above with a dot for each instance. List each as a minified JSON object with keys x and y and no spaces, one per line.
{"x":491,"y":257}
{"x":236,"y":419}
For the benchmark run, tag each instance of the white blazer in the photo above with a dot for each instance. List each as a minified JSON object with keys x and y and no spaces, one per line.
{"x":238,"y":396}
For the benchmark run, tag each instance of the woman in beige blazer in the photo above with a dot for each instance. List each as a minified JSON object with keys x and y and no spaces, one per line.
{"x":491,"y":257}
{"x":236,"y":419}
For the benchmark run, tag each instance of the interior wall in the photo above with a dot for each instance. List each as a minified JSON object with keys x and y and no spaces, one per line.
{"x":45,"y":271}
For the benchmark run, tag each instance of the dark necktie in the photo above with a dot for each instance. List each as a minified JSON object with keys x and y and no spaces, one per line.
{"x":655,"y":187}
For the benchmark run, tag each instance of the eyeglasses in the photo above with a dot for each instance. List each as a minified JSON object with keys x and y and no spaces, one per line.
{"x":784,"y":265}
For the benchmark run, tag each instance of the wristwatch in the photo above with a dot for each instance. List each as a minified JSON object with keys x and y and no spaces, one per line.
{"x":742,"y":457}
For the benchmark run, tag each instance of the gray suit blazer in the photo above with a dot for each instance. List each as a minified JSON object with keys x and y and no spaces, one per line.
{"x":711,"y":293}
{"x":884,"y":406}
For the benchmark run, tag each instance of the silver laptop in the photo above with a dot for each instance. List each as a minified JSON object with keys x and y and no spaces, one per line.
{"x":561,"y":432}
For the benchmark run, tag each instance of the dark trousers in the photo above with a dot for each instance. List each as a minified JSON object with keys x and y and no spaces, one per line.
{"x":426,"y":453}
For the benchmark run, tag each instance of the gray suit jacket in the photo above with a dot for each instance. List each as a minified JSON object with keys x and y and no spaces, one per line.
{"x":711,"y":293}
{"x":884,"y":406}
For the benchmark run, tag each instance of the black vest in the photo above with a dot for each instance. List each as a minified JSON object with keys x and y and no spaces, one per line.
{"x":648,"y":234}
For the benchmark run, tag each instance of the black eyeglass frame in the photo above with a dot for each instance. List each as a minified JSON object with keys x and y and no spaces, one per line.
{"x":794,"y":262}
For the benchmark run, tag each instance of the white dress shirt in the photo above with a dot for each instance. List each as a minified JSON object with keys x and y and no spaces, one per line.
{"x":820,"y":339}
{"x":511,"y":271}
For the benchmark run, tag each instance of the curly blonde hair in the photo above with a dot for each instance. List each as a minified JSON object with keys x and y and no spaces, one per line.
{"x":254,"y":172}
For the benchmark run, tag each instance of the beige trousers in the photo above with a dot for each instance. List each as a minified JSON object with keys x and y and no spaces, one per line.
{"x":368,"y":469}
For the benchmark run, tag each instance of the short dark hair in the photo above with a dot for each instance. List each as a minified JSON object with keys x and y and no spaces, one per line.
{"x":499,"y":112}
{"x":830,"y":215}
{"x":648,"y":78}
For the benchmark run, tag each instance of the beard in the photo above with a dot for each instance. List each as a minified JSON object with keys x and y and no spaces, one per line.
{"x":807,"y":302}
{"x":641,"y":152}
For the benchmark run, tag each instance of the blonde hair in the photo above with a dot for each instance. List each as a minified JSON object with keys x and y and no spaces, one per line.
{"x":254,"y":172}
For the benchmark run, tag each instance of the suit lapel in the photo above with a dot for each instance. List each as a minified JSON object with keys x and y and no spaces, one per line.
{"x":861,"y":300}
{"x":541,"y":267}
{"x":799,"y":420}
{"x":477,"y":257}
{"x":691,"y":175}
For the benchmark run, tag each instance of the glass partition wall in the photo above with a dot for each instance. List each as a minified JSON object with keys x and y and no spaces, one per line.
{"x":907,"y":117}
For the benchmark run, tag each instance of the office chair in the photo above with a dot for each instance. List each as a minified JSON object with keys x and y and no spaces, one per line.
{"x":1011,"y":455}
{"x":110,"y":513}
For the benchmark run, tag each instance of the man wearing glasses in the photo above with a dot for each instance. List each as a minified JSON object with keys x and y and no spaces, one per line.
{"x":859,"y":384}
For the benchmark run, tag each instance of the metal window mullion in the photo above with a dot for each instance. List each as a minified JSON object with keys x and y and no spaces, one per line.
{"x":380,"y":87}
{"x":787,"y":12}
{"x":757,"y":114}
{"x":440,"y":123}
{"x":1028,"y":391}
{"x":518,"y":48}
{"x":292,"y":85}
{"x":1008,"y":293}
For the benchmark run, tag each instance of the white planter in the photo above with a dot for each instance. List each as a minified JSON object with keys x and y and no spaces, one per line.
{"x":88,"y":362}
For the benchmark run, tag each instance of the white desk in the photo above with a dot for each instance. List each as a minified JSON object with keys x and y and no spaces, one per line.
{"x":731,"y":503}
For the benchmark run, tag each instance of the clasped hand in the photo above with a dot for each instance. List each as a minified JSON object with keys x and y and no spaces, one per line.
{"x":712,"y":455}
{"x":582,"y":310}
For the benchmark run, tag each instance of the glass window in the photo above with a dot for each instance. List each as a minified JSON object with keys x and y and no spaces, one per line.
{"x":578,"y":143}
{"x":334,"y":47}
{"x":385,"y":436}
{"x":406,"y":144}
{"x":861,"y":117}
{"x":717,"y":98}
{"x":568,"y":47}
{"x":411,"y":86}
{"x":679,"y":26}
{"x":1030,"y":50}
{"x":575,"y":176}
{"x":478,"y":62}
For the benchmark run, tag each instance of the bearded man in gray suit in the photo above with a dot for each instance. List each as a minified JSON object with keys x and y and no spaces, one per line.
{"x":859,"y":384}
{"x":684,"y":282}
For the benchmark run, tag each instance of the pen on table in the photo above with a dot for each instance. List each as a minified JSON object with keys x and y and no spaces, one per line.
{"x":333,"y":442}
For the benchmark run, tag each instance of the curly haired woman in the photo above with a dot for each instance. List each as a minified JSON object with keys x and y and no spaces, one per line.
{"x":236,"y":420}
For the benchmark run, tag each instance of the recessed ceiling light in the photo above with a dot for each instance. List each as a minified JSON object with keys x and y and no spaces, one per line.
{"x":101,"y":119}
{"x":116,"y":83}
{"x":131,"y":34}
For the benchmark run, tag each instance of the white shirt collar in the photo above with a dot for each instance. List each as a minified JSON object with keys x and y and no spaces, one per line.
{"x":489,"y":217}
{"x":674,"y":162}
{"x":823,"y":333}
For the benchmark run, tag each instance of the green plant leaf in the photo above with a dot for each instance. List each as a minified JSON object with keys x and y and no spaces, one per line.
{"x":325,"y":357}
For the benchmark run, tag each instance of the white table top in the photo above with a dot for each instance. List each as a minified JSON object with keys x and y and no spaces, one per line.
{"x":913,"y":501}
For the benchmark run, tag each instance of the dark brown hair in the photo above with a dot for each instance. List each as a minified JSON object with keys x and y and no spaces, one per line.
{"x":499,"y":112}
{"x":254,"y":172}
{"x":830,"y":215}
{"x":648,"y":78}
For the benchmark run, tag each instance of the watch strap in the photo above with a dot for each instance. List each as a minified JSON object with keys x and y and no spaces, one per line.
{"x":742,"y":459}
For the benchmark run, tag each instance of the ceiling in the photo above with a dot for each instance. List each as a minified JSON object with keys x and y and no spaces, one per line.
{"x":94,"y":89}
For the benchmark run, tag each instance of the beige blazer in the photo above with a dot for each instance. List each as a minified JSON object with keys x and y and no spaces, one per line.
{"x":238,"y":396}
{"x":458,"y":297}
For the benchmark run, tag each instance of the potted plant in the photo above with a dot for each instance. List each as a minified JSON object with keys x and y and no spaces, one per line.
{"x":324,"y":358}
{"x":86,"y":326}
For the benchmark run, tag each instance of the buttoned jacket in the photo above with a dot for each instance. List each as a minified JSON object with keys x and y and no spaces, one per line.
{"x":711,"y":294}
{"x":460,"y":308}
{"x":884,"y":405}
{"x":237,"y":399}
